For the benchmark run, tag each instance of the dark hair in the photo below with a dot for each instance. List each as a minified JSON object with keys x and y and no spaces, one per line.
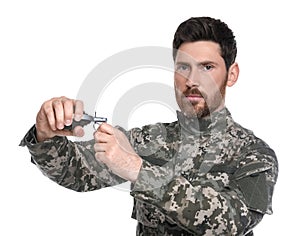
{"x":207,"y":29}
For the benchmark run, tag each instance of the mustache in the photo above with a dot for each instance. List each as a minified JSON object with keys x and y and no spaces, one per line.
{"x":194,"y":91}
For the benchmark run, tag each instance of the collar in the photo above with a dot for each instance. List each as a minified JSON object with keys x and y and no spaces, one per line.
{"x":214,"y":123}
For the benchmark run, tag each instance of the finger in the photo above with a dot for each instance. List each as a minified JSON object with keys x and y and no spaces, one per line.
{"x":59,"y":113}
{"x":106,"y":128}
{"x":47,"y":109}
{"x":68,"y":111}
{"x":63,"y":133}
{"x":78,"y":131}
{"x":78,"y":104}
{"x":100,"y":147}
{"x":101,"y":137}
{"x":100,"y":156}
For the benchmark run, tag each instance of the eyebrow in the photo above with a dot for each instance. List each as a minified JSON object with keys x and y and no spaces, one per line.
{"x":182,"y":63}
{"x":207,"y":62}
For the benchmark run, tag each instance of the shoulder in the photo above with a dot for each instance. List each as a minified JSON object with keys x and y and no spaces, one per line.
{"x":254,"y":154}
{"x":245,"y":137}
{"x":257,"y":168}
{"x":249,"y":147}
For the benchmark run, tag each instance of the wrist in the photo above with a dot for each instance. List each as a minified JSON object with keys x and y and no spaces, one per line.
{"x":135,"y":170}
{"x":41,"y":136}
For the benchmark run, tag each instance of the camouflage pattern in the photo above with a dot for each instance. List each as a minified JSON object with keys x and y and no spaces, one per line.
{"x":199,"y":176}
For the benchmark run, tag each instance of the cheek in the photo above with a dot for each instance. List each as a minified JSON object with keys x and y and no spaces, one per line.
{"x":214,"y":83}
{"x":179,"y":88}
{"x":179,"y":82}
{"x":220,"y":78}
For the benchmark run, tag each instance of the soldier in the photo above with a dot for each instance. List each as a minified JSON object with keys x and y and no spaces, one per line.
{"x":202,"y":174}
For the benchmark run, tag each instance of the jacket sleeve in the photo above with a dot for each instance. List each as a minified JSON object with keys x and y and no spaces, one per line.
{"x":215,"y":203}
{"x":70,"y":164}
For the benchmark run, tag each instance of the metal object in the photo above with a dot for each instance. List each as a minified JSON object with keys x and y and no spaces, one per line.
{"x":85,"y":120}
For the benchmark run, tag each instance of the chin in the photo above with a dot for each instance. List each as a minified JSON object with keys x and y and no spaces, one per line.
{"x":202,"y":113}
{"x":196,"y":112}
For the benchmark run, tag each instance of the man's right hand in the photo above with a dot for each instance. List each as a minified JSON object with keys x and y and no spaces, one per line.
{"x":55,"y":114}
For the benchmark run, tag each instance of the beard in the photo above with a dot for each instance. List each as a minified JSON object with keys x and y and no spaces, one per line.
{"x":210,"y":101}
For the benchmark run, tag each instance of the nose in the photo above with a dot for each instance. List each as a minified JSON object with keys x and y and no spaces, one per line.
{"x":193,"y":79}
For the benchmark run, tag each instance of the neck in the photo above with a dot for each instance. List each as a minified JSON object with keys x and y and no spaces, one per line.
{"x":209,"y":123}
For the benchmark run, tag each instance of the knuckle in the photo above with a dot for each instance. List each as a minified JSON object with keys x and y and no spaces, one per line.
{"x":47,"y":103}
{"x":102,"y":127}
{"x":109,"y":155}
{"x":69,"y":102}
{"x":96,"y":136}
{"x":79,"y":102}
{"x":48,"y":109}
{"x":96,"y":146}
{"x":64,"y":99}
{"x":53,"y":99}
{"x":98,"y":156}
{"x":56,"y":102}
{"x":78,"y":105}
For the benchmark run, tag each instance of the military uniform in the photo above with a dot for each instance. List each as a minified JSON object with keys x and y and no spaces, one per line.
{"x":207,"y":176}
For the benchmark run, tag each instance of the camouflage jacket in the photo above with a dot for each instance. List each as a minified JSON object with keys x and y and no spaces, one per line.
{"x":198,"y":177}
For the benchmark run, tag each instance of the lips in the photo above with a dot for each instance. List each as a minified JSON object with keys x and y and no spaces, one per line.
{"x":194,"y":96}
{"x":195,"y":99}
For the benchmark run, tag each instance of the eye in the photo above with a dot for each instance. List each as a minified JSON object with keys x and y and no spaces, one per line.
{"x":182,"y":67}
{"x":206,"y":67}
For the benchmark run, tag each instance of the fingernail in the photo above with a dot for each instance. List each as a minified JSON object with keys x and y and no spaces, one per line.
{"x":68,"y":122}
{"x":78,"y":131}
{"x":60,"y":126}
{"x":77,"y":117}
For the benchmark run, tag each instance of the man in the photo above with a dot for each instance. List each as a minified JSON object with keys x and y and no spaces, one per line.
{"x":203,"y":174}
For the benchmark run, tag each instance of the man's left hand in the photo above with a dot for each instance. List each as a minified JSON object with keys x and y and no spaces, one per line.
{"x":113,"y":149}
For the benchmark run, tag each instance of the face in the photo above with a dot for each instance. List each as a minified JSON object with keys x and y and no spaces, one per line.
{"x":201,"y":78}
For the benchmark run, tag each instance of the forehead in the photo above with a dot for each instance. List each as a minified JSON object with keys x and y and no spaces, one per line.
{"x":199,"y":51}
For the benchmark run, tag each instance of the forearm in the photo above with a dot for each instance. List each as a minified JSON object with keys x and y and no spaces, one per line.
{"x":70,"y":164}
{"x":197,"y":208}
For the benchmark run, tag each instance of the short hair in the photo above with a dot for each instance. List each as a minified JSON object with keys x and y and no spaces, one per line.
{"x":207,"y":29}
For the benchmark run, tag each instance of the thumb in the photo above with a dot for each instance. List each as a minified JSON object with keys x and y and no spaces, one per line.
{"x":106,"y":128}
{"x":78,"y":131}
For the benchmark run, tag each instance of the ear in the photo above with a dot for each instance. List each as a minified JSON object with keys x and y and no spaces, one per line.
{"x":233,"y":74}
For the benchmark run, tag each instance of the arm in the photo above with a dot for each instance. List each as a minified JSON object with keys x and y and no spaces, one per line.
{"x":70,"y":164}
{"x":215,"y":203}
{"x":113,"y":148}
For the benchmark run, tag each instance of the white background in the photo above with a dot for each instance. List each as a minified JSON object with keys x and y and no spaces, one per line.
{"x":47,"y":48}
